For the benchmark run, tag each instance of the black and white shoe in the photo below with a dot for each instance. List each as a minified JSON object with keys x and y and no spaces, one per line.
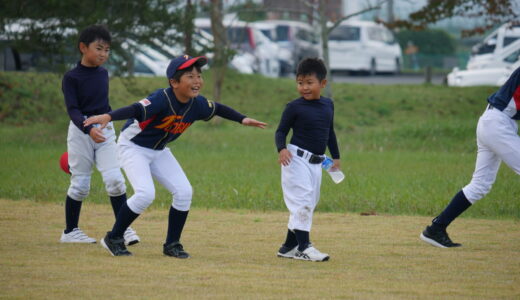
{"x":116,"y":247}
{"x":287,"y":252}
{"x":311,"y":254}
{"x":437,"y":238}
{"x":175,"y":249}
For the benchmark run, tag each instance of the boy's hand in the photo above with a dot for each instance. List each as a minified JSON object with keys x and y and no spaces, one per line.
{"x":284,"y":157}
{"x":102,"y":120}
{"x":253,"y":122}
{"x":335,"y":165}
{"x":97,"y":135}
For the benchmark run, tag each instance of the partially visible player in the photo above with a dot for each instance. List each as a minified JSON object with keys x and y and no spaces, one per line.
{"x":85,"y":89}
{"x":311,"y":118}
{"x":152,"y":123}
{"x":497,"y":141}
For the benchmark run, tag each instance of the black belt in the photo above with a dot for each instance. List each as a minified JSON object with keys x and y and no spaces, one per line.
{"x":314,"y":159}
{"x":490,"y":106}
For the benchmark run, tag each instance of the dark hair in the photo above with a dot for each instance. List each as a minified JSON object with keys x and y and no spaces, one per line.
{"x":94,"y":33}
{"x":178,"y":74}
{"x":309,"y":66}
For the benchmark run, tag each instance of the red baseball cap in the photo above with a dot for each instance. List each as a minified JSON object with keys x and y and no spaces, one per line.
{"x":183,"y":62}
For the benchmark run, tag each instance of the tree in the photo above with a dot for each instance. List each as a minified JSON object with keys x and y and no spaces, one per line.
{"x":326,"y":29}
{"x":51,"y":27}
{"x":221,"y":47}
{"x":492,"y":12}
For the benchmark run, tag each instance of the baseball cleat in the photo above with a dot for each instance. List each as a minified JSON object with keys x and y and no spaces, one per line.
{"x":175,"y":249}
{"x":76,"y":236}
{"x":116,"y":247}
{"x":311,"y":254}
{"x":287,"y":252}
{"x":131,"y":237}
{"x":437,"y":238}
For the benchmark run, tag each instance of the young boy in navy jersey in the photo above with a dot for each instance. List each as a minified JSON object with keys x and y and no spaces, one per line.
{"x":497,"y":141}
{"x":152,"y":123}
{"x":85,"y":89}
{"x":311,"y":118}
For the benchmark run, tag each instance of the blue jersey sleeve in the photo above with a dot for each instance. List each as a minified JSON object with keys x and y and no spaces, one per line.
{"x":152,"y":105}
{"x":205,"y":109}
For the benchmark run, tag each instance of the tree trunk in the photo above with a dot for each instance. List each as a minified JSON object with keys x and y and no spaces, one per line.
{"x":219,"y":66}
{"x":325,"y":44}
{"x":189,"y":15}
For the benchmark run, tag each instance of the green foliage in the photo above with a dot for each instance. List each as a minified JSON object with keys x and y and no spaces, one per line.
{"x":429,"y":41}
{"x":405,"y":149}
{"x":249,"y":11}
{"x":50,"y":28}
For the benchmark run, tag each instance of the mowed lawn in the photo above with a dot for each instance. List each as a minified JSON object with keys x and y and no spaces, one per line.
{"x":233,"y":257}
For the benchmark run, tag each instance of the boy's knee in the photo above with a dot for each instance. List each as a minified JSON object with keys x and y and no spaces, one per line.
{"x":141,"y":200}
{"x":114,"y":182}
{"x":182,"y":198}
{"x":476,"y":191}
{"x":79,"y":187}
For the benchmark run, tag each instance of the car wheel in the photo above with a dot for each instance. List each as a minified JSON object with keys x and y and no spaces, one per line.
{"x":373,"y":67}
{"x":397,"y":70}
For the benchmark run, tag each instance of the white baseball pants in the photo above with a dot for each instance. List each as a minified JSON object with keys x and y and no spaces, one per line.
{"x":301,"y":182}
{"x":142,"y":164}
{"x":84,"y":153}
{"x":497,"y":141}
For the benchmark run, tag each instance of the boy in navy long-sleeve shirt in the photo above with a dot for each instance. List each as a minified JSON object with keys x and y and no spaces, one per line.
{"x":85,"y":89}
{"x":311,"y":119}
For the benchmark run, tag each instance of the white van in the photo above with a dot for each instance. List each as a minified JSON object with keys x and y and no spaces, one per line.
{"x":364,"y":46}
{"x":493,"y":45}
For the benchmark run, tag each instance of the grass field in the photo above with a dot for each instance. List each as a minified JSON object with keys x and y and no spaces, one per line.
{"x":406,"y":150}
{"x":233,"y":257}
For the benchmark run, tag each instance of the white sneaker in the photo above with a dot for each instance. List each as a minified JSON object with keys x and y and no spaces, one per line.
{"x":76,"y":236}
{"x":131,"y":237}
{"x":287,"y":252}
{"x":311,"y":254}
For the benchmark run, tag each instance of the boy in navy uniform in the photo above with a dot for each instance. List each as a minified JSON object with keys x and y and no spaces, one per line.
{"x":497,"y":141}
{"x":152,"y":123}
{"x":85,"y":89}
{"x":311,"y":117}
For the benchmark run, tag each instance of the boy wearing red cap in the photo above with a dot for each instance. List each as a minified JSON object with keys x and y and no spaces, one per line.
{"x":153,"y":122}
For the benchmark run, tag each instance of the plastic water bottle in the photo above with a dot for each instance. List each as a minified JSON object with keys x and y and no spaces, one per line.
{"x":336,"y":174}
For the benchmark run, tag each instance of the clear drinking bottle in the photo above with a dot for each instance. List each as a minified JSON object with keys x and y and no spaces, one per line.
{"x":336,"y":174}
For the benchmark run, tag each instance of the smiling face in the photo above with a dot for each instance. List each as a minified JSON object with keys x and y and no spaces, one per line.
{"x":188,"y":86}
{"x":309,"y":86}
{"x":95,"y":54}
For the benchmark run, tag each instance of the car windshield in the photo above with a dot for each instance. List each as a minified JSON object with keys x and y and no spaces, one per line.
{"x":282,"y":33}
{"x":238,"y":35}
{"x":345,"y":33}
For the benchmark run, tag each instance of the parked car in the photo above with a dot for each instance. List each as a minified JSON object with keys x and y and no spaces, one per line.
{"x":508,"y":56}
{"x":297,"y":37}
{"x":247,"y":39}
{"x":284,"y":55}
{"x":493,"y":45}
{"x":488,"y":76}
{"x":364,"y":46}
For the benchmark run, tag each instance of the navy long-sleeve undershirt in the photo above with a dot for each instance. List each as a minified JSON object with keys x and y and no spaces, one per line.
{"x":85,"y":90}
{"x":312,"y":122}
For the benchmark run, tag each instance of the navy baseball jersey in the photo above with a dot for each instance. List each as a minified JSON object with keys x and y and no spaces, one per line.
{"x":507,"y":98}
{"x":163,"y":119}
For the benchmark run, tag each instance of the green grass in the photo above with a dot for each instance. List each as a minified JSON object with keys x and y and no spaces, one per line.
{"x":405,"y":149}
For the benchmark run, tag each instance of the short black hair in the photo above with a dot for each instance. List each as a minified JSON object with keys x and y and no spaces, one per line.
{"x":309,"y":66}
{"x":178,"y":74}
{"x":94,"y":33}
